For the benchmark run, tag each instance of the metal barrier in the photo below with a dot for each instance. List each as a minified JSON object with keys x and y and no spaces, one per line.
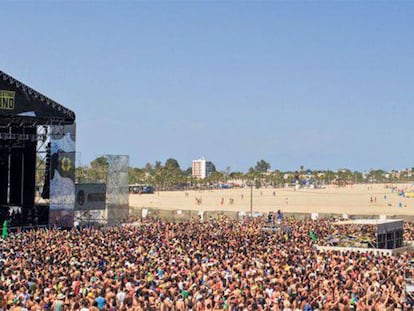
{"x":178,"y":215}
{"x":18,"y":229}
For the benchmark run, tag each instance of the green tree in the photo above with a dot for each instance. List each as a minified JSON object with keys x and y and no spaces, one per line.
{"x":98,"y":171}
{"x":175,"y":178}
{"x":157,"y":165}
{"x":345,"y":174}
{"x":82,"y":174}
{"x":237,"y":175}
{"x":148,"y":168}
{"x":188,"y":171}
{"x":172,"y":165}
{"x":100,"y":162}
{"x":254,"y":177}
{"x":377,"y":176}
{"x":262,"y":166}
{"x":136,"y":175}
{"x":276,"y":179}
{"x":329,"y":176}
{"x":217,"y":177}
{"x":358,"y":177}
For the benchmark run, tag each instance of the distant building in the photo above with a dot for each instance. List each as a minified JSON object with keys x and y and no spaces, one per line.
{"x":202,"y":168}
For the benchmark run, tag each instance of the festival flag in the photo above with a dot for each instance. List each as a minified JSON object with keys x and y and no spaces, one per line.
{"x":167,"y":233}
{"x":312,"y":235}
{"x":5,"y":229}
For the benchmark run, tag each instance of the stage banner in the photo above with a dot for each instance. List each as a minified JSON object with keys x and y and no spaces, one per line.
{"x":90,"y":197}
{"x":62,"y":175}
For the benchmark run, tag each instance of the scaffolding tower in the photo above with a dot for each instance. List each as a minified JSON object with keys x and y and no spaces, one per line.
{"x":117,"y":190}
{"x":116,"y":208}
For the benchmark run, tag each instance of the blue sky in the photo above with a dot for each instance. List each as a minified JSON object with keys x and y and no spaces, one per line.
{"x":319,"y":84}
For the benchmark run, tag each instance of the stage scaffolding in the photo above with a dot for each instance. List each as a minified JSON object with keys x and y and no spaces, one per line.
{"x":34,"y":155}
{"x":116,"y":209}
{"x":117,"y":190}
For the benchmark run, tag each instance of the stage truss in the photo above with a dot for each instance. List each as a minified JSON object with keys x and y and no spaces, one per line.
{"x":116,"y":209}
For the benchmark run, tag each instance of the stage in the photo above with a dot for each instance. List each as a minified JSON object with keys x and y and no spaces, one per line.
{"x":37,"y":151}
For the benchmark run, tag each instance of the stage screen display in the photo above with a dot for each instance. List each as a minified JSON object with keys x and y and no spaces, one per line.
{"x":62,"y":175}
{"x":90,"y":197}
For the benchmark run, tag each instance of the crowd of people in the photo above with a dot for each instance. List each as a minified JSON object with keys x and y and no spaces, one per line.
{"x":218,"y":264}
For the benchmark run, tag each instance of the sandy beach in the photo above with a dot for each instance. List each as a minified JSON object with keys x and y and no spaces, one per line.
{"x":351,"y":200}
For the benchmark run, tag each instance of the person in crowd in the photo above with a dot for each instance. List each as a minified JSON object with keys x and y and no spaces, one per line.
{"x":219,"y":264}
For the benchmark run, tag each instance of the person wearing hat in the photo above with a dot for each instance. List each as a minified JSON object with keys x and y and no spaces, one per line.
{"x":58,"y":303}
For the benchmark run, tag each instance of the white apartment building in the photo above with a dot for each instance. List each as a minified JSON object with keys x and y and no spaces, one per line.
{"x":202,"y":168}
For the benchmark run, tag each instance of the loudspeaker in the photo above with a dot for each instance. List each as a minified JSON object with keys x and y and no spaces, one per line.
{"x":46,"y":184}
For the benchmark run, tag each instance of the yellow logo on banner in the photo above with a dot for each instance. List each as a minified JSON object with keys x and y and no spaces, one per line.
{"x":7,"y":100}
{"x":66,"y":164}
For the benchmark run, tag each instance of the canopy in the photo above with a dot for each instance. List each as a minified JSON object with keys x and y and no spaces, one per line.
{"x":22,"y":104}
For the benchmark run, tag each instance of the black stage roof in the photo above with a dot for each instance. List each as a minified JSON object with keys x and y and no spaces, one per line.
{"x":23,"y":105}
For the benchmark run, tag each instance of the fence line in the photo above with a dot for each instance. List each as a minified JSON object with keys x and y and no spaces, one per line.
{"x":178,"y":215}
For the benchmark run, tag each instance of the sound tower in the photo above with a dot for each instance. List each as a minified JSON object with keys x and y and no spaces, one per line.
{"x":16,"y":170}
{"x":29,"y":170}
{"x":46,"y":184}
{"x":4,"y":168}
